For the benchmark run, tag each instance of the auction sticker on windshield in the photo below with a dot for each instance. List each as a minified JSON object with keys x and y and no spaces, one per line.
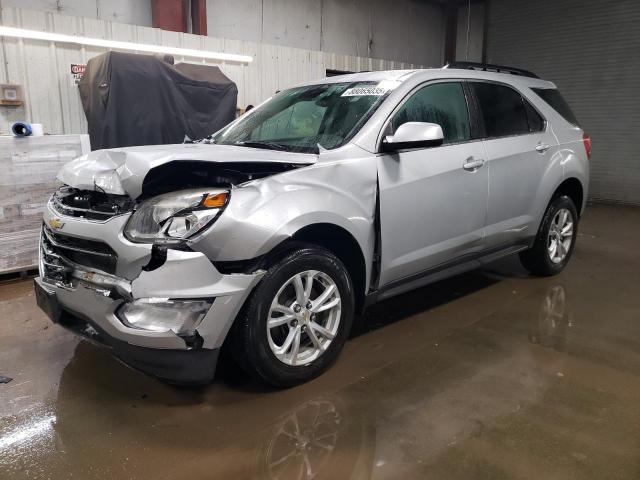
{"x":360,"y":91}
{"x":372,"y":90}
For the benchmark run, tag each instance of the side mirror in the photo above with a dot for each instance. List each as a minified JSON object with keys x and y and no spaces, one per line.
{"x":414,"y":135}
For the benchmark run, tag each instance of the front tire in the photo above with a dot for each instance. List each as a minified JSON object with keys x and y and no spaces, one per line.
{"x":555,"y":240}
{"x":297,"y":319}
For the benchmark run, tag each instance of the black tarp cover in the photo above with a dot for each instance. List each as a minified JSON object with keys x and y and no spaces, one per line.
{"x":132,"y":99}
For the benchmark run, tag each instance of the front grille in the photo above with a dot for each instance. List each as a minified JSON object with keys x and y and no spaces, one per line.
{"x":89,"y":204}
{"x":61,"y":252}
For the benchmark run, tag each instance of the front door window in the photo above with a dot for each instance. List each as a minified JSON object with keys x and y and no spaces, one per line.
{"x":441,"y":103}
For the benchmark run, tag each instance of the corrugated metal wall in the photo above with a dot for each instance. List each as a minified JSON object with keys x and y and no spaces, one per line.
{"x":42,"y":68}
{"x":591,"y":50}
{"x":404,"y":30}
{"x":137,"y":12}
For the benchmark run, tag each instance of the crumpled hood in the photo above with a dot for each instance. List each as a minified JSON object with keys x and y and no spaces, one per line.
{"x":122,"y":171}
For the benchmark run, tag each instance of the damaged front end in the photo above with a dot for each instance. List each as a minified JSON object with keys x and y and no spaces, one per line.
{"x":64,"y":265}
{"x":119,"y":269}
{"x":169,"y":320}
{"x":139,"y":247}
{"x":139,"y":172}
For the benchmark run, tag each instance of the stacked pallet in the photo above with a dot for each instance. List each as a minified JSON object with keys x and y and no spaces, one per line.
{"x":28,"y":168}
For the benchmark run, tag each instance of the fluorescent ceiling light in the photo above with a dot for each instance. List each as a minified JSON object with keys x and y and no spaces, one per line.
{"x":117,"y":45}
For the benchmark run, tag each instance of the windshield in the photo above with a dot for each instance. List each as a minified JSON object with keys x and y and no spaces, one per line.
{"x":299,"y":119}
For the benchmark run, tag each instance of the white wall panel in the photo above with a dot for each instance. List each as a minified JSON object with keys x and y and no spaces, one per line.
{"x":346,"y":26}
{"x":237,"y":19}
{"x":80,"y":8}
{"x":42,"y":68}
{"x":137,"y":12}
{"x":404,"y":30}
{"x":288,"y":23}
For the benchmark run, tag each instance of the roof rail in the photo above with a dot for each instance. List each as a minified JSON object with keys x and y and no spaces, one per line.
{"x":491,"y":68}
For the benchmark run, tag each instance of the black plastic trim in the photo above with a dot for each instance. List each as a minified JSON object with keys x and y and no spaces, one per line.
{"x":88,"y":253}
{"x":376,"y":264}
{"x":476,"y":124}
{"x":475,"y":260}
{"x":391,"y":147}
{"x":239,"y":266}
{"x":492,"y":68}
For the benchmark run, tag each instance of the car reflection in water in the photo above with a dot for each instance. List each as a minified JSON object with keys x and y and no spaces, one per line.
{"x":327,"y":437}
{"x":551,"y":327}
{"x":304,"y":441}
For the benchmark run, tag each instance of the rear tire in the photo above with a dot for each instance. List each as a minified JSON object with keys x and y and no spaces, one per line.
{"x":555,"y":239}
{"x":288,"y":333}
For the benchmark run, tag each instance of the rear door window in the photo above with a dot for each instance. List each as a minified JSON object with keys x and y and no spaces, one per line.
{"x":558,"y":103}
{"x":441,"y":103}
{"x":502,"y":109}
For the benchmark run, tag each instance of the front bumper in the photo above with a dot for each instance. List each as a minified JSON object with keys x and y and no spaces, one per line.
{"x":88,"y":299}
{"x":90,"y":309}
{"x":190,"y":366}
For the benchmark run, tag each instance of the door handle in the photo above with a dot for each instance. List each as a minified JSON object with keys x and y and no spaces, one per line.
{"x":471,"y":165}
{"x":542,"y":147}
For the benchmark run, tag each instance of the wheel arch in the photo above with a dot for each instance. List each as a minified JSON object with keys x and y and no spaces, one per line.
{"x":338,"y":240}
{"x":572,"y":188}
{"x":342,"y":244}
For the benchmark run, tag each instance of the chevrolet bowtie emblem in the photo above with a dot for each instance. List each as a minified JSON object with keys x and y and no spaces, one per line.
{"x":56,"y":224}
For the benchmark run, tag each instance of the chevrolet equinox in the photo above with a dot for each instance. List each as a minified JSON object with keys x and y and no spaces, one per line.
{"x":271,"y":234}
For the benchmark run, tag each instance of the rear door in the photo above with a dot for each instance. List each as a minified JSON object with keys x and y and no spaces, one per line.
{"x":432,"y":200}
{"x":519,"y":149}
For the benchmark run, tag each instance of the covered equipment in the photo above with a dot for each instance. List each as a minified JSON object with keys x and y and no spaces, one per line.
{"x":131,"y":99}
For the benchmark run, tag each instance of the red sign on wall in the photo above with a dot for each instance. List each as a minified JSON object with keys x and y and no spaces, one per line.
{"x":76,"y":72}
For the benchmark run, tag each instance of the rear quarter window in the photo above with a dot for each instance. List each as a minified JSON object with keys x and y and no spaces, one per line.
{"x":555,"y":100}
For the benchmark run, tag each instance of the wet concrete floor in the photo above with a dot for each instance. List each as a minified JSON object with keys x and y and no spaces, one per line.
{"x":488,"y":375}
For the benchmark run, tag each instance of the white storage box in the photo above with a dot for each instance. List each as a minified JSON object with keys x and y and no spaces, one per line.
{"x":28,"y":168}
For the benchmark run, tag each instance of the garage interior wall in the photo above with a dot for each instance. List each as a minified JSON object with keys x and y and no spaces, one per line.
{"x":473,"y":18}
{"x":136,"y":12}
{"x":42,"y":68}
{"x":589,"y":49}
{"x":402,"y":30}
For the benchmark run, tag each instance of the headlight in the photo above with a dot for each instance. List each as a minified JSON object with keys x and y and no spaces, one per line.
{"x":173,"y":217}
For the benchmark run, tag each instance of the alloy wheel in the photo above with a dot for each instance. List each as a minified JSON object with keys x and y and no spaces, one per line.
{"x":304,"y":317}
{"x":560,"y":235}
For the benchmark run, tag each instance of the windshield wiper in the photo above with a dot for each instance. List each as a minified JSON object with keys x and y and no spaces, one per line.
{"x":266,"y":145}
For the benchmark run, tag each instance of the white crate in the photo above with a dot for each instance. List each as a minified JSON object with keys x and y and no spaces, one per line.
{"x":28,"y":168}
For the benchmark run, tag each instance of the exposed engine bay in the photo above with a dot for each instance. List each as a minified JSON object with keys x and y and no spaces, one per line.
{"x":152,"y":170}
{"x":90,"y":204}
{"x":179,"y":175}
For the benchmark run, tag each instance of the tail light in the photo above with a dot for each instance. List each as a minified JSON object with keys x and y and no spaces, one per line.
{"x":586,"y":139}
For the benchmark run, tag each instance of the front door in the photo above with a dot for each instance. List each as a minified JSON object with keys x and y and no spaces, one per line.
{"x":433,"y":201}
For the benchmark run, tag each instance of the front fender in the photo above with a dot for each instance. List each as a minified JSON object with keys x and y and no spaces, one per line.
{"x":262,"y":214}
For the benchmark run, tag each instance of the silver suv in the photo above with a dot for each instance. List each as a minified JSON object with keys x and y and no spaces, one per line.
{"x":271,"y":234}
